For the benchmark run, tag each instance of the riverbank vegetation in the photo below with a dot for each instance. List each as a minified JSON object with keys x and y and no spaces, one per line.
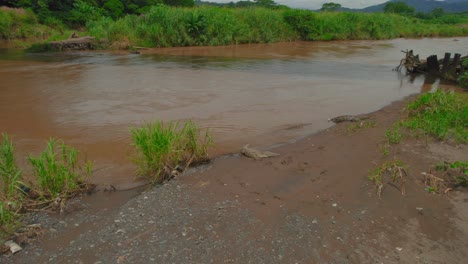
{"x":168,"y":23}
{"x":164,"y":149}
{"x":18,"y":23}
{"x":57,"y":175}
{"x":463,"y":78}
{"x":441,"y":116}
{"x":11,"y":195}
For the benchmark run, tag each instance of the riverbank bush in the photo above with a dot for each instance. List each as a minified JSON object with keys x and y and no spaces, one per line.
{"x":164,"y":26}
{"x":162,"y":149}
{"x":345,"y":25}
{"x":18,"y":23}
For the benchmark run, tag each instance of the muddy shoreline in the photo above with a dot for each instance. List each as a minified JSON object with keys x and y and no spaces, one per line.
{"x":311,"y":204}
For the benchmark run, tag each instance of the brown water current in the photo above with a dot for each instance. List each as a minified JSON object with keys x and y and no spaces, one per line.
{"x":257,"y":94}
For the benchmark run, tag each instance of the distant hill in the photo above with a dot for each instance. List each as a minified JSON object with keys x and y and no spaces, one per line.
{"x":426,"y":6}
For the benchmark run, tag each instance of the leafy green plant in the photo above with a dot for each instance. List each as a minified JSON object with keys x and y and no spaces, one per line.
{"x":396,"y":169}
{"x":161,"y":148}
{"x":59,"y":170}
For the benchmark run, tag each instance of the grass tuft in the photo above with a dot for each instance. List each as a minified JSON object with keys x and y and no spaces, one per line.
{"x":10,"y":192}
{"x":446,"y":176}
{"x":441,"y":114}
{"x":394,"y":134}
{"x":396,"y":169}
{"x":60,"y":175}
{"x":59,"y":172}
{"x":357,"y":126}
{"x":162,"y":148}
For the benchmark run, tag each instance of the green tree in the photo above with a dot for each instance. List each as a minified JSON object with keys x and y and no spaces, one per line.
{"x":15,"y":3}
{"x":84,"y":11}
{"x":188,"y":3}
{"x":330,"y":7}
{"x":267,"y":3}
{"x":399,"y":8}
{"x":140,"y":6}
{"x":437,"y":12}
{"x":114,"y":8}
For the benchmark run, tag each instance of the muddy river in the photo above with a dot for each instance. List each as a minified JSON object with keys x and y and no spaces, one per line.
{"x":257,"y":94}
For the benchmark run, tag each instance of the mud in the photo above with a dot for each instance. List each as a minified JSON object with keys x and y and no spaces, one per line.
{"x":311,"y":204}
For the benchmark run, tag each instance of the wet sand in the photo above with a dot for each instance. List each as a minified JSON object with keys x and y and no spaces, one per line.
{"x":311,"y":204}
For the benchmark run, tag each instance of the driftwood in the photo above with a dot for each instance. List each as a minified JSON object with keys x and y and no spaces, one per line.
{"x":411,"y":62}
{"x":73,"y":43}
{"x":445,"y":68}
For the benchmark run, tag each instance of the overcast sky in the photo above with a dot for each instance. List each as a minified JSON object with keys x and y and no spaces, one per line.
{"x":316,"y":4}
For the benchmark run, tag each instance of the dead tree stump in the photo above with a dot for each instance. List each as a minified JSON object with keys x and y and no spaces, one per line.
{"x":446,"y":62}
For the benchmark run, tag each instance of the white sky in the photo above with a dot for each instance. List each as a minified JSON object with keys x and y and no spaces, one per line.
{"x":316,"y":4}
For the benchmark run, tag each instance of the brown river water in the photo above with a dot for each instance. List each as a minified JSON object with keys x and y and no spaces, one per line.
{"x":257,"y":94}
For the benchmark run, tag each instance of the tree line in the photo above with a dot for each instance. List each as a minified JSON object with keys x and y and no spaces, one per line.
{"x":78,"y":12}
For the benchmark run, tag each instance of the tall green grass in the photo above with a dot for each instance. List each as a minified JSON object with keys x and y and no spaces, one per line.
{"x":18,"y":23}
{"x":9,"y":171}
{"x":161,"y":148}
{"x":10,"y":192}
{"x":164,"y":26}
{"x":59,"y":171}
{"x":345,"y":25}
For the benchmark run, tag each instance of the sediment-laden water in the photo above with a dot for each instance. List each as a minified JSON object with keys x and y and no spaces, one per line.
{"x":257,"y":94}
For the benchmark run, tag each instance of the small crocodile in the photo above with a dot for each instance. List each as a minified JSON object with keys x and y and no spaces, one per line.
{"x":256,"y":154}
{"x":347,"y":118}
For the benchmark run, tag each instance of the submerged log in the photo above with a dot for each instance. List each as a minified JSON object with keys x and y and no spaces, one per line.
{"x":447,"y":68}
{"x":83,"y":43}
